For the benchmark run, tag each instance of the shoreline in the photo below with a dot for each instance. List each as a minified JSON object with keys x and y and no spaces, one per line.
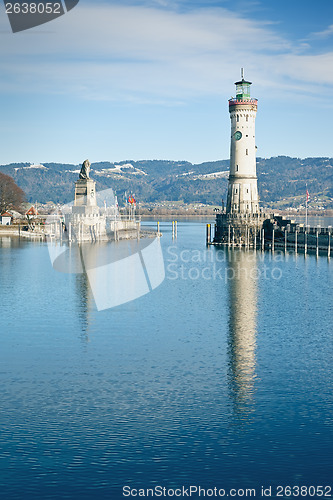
{"x":16,"y":230}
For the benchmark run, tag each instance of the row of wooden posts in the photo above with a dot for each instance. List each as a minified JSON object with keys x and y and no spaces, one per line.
{"x":295,"y":245}
{"x":273,"y":244}
{"x":174,"y":229}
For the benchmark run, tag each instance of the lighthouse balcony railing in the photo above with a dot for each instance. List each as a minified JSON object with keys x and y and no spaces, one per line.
{"x":246,"y":215}
{"x":234,"y":101}
{"x":243,"y":217}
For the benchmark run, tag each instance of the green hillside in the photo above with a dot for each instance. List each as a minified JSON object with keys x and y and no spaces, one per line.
{"x":282,"y":180}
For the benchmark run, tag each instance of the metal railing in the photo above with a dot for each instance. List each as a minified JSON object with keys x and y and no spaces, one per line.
{"x":234,"y":101}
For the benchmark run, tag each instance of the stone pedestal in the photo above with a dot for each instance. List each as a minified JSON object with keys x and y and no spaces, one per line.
{"x":86,"y":221}
{"x":85,"y":210}
{"x":85,"y":198}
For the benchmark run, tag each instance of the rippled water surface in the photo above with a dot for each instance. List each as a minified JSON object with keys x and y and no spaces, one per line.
{"x":221,"y":376}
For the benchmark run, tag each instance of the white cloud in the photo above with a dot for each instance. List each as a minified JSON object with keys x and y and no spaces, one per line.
{"x":139,"y":53}
{"x":323,"y":34}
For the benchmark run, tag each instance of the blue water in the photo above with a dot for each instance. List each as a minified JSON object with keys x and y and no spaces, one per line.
{"x":220,"y":377}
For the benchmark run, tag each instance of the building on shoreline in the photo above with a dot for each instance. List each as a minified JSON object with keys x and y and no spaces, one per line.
{"x":6,"y":219}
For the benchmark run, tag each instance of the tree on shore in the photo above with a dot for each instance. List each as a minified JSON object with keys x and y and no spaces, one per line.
{"x":11,"y":196}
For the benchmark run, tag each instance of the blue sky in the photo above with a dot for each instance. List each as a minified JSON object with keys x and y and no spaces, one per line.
{"x":151,"y":79}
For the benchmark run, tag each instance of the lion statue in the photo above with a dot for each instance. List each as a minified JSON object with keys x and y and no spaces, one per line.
{"x":85,"y":169}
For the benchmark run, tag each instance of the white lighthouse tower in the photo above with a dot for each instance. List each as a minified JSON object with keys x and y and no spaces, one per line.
{"x":242,"y":189}
{"x":241,"y":220}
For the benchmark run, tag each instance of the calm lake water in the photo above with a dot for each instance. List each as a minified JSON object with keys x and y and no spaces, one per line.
{"x":220,"y":377}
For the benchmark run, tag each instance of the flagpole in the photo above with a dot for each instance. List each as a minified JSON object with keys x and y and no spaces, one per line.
{"x":306,"y":207}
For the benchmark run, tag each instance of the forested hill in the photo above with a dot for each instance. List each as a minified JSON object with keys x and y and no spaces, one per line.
{"x":280,"y":179}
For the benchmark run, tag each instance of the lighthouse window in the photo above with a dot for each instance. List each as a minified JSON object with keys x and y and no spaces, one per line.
{"x":247,"y":190}
{"x":247,"y":118}
{"x":236,"y":168}
{"x":238,"y":118}
{"x":247,"y":152}
{"x":236,"y":191}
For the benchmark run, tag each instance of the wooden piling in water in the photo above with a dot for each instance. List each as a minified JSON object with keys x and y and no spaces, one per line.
{"x":174,"y":229}
{"x":263,"y":240}
{"x":329,"y":243}
{"x":208,"y":234}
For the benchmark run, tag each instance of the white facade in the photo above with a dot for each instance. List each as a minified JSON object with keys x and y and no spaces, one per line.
{"x":242,"y":189}
{"x":6,"y":220}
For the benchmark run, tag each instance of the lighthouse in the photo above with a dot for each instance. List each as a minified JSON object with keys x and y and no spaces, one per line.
{"x":242,"y":188}
{"x":241,"y":220}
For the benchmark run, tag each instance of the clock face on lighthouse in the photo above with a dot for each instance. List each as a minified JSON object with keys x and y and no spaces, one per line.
{"x":238,"y":135}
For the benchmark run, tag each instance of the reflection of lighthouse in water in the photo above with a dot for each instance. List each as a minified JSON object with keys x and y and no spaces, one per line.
{"x":242,"y":325}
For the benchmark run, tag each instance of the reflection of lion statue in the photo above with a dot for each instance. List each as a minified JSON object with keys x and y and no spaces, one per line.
{"x":84,"y":174}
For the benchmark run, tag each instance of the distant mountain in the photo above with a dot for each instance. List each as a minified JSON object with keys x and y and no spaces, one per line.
{"x":281,"y":180}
